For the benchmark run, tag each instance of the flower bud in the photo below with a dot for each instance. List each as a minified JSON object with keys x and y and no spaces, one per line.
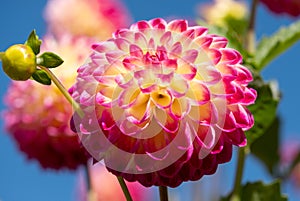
{"x":19,"y":62}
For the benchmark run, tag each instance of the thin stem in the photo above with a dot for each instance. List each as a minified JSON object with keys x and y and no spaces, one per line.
{"x":239,"y":174}
{"x":250,"y":37}
{"x":163,"y":193}
{"x":63,"y":91}
{"x":88,"y":177}
{"x":124,"y":188}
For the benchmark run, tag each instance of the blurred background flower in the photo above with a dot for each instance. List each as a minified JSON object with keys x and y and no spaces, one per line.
{"x":37,"y":116}
{"x":93,"y":18}
{"x":105,"y":187}
{"x":218,"y":12}
{"x":288,"y":7}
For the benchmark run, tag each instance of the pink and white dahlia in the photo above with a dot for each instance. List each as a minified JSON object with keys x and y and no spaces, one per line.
{"x":37,"y":116}
{"x":93,"y":18}
{"x":163,"y":102}
{"x":290,"y":7}
{"x":105,"y":187}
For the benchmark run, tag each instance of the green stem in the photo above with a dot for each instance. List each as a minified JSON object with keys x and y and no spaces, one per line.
{"x":88,"y":177}
{"x":163,"y":193}
{"x":239,"y":175}
{"x":250,"y":39}
{"x":124,"y":188}
{"x":64,"y":91}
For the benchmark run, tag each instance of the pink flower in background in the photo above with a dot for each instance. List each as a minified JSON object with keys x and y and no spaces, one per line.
{"x":37,"y":116}
{"x":94,"y":18}
{"x":288,"y":154}
{"x":290,"y":7}
{"x":105,"y":187}
{"x":163,"y":102}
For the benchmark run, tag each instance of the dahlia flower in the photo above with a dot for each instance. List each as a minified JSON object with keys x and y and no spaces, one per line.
{"x":163,"y":102}
{"x":93,"y":18}
{"x":290,"y":7}
{"x":37,"y":116}
{"x":105,"y":187}
{"x":218,"y":12}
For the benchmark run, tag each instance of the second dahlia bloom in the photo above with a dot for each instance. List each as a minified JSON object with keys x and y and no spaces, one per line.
{"x":93,"y":18}
{"x":37,"y":116}
{"x":163,"y":102}
{"x":290,"y":7}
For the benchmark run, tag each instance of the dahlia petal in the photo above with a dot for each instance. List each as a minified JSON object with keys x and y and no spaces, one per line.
{"x":104,"y":46}
{"x":140,"y":26}
{"x":237,"y":137}
{"x":219,"y":42}
{"x":122,"y":44}
{"x":158,"y":23}
{"x":215,"y":55}
{"x":165,"y":121}
{"x":186,"y":70}
{"x":128,"y":97}
{"x":230,"y":56}
{"x":140,"y":40}
{"x":166,"y":39}
{"x":249,"y":96}
{"x":140,"y":108}
{"x":190,"y":56}
{"x":176,"y":49}
{"x":136,"y":51}
{"x":208,"y":74}
{"x":198,"y":93}
{"x":178,"y":86}
{"x":179,"y":108}
{"x":177,"y":25}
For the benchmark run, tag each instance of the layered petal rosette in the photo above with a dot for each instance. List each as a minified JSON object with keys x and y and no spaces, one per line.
{"x":37,"y":116}
{"x":289,"y":7}
{"x":163,"y":102}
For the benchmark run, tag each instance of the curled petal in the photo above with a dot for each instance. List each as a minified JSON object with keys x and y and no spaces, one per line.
{"x":177,"y":25}
{"x":198,"y":93}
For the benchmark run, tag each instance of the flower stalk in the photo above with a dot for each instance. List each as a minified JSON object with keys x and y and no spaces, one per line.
{"x":163,"y":193}
{"x":124,"y":188}
{"x":63,"y":91}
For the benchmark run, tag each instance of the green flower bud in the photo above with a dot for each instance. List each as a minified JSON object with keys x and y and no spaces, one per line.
{"x":19,"y":62}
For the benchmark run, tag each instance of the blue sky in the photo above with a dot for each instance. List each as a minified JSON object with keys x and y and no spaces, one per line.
{"x":23,"y":180}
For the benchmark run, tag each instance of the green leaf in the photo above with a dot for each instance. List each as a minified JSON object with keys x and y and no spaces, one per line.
{"x":34,"y":42}
{"x":258,"y":191}
{"x":266,"y":147}
{"x":270,"y":47}
{"x":49,"y":60}
{"x":264,"y":109}
{"x":41,"y":77}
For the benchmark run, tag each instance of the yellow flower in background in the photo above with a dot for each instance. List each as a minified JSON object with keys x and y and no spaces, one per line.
{"x":218,"y":12}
